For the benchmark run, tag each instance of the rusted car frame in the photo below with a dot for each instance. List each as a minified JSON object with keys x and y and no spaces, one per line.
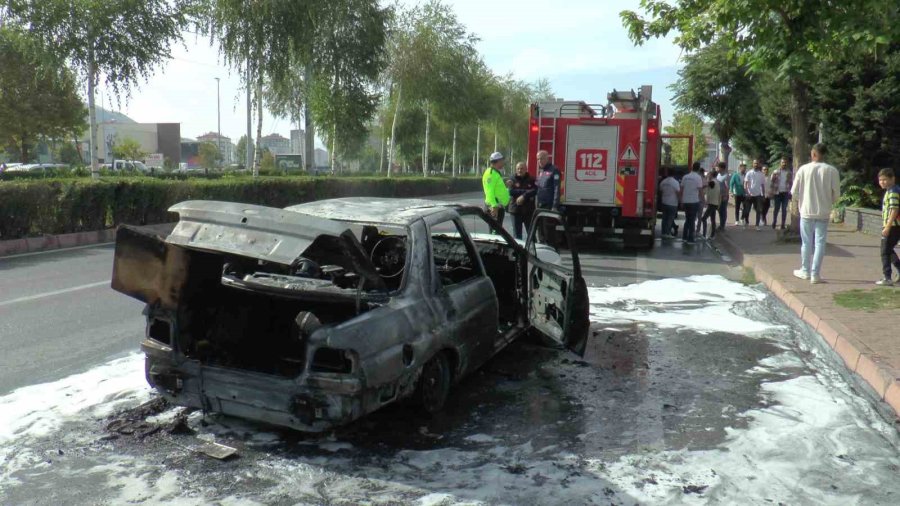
{"x":313,"y":316}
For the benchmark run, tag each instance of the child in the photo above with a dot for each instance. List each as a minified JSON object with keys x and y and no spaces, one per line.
{"x":890,"y":234}
{"x":713,"y":200}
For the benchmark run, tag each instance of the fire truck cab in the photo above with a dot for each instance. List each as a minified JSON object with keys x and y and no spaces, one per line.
{"x":609,"y":158}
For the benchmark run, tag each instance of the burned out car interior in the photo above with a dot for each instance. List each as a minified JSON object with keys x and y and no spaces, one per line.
{"x":346,"y":304}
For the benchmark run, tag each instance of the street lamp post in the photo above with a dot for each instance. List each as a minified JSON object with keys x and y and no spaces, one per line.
{"x":219,"y":121}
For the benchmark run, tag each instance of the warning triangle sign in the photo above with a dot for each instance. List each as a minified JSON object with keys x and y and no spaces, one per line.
{"x":629,"y":154}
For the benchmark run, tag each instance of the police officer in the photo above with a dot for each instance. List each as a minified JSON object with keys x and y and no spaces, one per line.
{"x":496,"y":194}
{"x":548,"y":178}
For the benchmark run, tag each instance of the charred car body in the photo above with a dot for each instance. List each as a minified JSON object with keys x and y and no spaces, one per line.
{"x":312,"y":316}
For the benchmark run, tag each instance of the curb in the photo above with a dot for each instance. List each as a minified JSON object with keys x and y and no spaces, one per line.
{"x":858,"y":357}
{"x":66,"y":241}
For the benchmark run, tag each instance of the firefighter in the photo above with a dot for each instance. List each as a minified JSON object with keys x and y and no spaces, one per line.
{"x":496,"y":194}
{"x":548,"y":179}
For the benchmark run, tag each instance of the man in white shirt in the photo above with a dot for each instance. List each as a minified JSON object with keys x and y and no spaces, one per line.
{"x":817,"y":186}
{"x":690,"y":198}
{"x":755,"y":187}
{"x":782,"y":179}
{"x":669,"y":188}
{"x":722,"y":178}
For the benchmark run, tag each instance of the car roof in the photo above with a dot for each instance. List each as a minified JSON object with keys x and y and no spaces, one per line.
{"x":388,"y":211}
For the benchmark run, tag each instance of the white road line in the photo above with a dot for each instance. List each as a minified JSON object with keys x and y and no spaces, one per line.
{"x":58,"y":250}
{"x":53,"y":293}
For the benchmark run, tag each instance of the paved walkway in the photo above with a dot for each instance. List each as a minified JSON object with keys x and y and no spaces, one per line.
{"x":868,"y":342}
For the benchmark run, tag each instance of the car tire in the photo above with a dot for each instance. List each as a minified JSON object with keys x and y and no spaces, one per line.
{"x":433,"y":386}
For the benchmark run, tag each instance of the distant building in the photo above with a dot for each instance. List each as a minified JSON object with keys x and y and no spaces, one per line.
{"x":298,"y":142}
{"x":276,"y":144}
{"x":153,"y":138}
{"x":190,"y":152}
{"x":226,"y":148}
{"x":321,"y":158}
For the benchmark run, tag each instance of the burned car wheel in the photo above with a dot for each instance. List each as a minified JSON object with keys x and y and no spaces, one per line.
{"x":434,"y":384}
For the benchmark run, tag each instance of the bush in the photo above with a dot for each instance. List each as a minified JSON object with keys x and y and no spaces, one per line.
{"x":58,"y":206}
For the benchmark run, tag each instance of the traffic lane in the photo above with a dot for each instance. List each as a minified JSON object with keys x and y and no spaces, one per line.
{"x":50,"y":336}
{"x":32,"y":274}
{"x":696,"y":389}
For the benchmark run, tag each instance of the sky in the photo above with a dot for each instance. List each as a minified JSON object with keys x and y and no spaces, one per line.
{"x":579,"y":45}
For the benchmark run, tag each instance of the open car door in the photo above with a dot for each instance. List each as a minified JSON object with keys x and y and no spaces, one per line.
{"x":557,"y":293}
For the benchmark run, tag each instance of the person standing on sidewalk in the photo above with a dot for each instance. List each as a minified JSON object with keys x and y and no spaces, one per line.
{"x":755,"y":191}
{"x":722,"y":178}
{"x":890,"y":234}
{"x":713,"y":199}
{"x":736,"y":187}
{"x":702,"y":209}
{"x":496,"y":194}
{"x":817,"y":186}
{"x":521,"y":204}
{"x":781,"y":183}
{"x":690,"y":198}
{"x":670,"y":189}
{"x":767,"y":197}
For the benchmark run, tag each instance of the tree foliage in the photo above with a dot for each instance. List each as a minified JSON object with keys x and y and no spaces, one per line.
{"x":128,"y":149}
{"x":37,"y":102}
{"x":210,"y":157}
{"x":241,"y":148}
{"x":685,"y":123}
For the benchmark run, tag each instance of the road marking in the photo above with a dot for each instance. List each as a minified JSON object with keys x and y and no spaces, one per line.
{"x":53,"y":293}
{"x":58,"y":250}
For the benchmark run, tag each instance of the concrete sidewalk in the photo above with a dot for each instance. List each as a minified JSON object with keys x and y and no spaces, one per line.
{"x":868,"y":342}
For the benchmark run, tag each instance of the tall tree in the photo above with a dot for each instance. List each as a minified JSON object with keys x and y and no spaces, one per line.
{"x":241,"y":147}
{"x":715,"y":85}
{"x":36,"y":101}
{"x":209,"y":155}
{"x":786,"y":36}
{"x":128,"y":149}
{"x":119,"y":41}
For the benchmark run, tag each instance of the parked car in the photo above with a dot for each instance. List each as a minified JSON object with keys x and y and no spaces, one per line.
{"x":126,"y":165}
{"x":312,"y":316}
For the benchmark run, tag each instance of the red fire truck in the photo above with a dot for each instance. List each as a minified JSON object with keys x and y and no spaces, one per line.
{"x":609,"y":157}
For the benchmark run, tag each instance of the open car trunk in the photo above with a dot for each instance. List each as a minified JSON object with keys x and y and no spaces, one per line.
{"x":245,"y":289}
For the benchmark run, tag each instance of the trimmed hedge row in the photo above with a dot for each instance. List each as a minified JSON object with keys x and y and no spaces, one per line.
{"x":63,"y":206}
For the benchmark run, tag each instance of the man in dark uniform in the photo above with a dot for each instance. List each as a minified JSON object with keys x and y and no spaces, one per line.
{"x":548,"y":179}
{"x":547,"y":197}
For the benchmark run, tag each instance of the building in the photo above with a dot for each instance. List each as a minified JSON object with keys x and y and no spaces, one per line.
{"x":276,"y":144}
{"x":190,"y":152}
{"x":298,"y":142}
{"x":153,"y":138}
{"x":226,"y":148}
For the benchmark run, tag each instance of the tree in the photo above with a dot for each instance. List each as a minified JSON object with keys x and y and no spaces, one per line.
{"x":128,"y":149}
{"x":209,"y":155}
{"x":267,"y":161}
{"x":786,"y":37}
{"x":119,"y":40}
{"x":685,"y":123}
{"x":242,"y":146}
{"x":715,"y":85}
{"x":36,"y":102}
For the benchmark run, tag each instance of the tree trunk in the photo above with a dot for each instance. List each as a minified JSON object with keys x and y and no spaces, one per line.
{"x":799,"y":133}
{"x":444,"y":163}
{"x":495,"y":138}
{"x":309,"y":147}
{"x":334,"y":147}
{"x":259,"y":121}
{"x":427,"y":134}
{"x":92,"y":113}
{"x":453,"y":163}
{"x":393,"y":151}
{"x":248,"y":147}
{"x":725,"y":146}
{"x":478,"y":152}
{"x":381,"y":158}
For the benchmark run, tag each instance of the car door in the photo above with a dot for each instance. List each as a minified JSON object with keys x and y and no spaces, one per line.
{"x":557,"y":296}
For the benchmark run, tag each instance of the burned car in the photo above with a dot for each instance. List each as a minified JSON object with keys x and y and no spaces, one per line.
{"x":315,"y":315}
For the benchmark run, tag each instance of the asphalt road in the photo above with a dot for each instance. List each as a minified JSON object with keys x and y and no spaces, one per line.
{"x":692,"y":390}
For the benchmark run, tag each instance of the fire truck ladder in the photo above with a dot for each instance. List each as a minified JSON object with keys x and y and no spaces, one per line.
{"x":551,"y":127}
{"x":564,"y":110}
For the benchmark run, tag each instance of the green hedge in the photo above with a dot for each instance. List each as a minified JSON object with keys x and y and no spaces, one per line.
{"x":59,"y":206}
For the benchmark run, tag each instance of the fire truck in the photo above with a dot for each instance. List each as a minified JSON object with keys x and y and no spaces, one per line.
{"x":609,"y":157}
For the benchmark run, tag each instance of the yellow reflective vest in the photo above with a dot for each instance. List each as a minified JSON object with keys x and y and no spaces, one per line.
{"x":496,"y":194}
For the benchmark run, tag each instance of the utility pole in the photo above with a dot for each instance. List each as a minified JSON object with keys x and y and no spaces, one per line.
{"x":219,"y":122}
{"x":249,"y":143}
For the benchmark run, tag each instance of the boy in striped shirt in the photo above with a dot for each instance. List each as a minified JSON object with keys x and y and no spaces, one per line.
{"x":890,"y":234}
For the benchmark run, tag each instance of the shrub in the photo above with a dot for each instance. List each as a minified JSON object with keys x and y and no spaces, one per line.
{"x":57,"y":206}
